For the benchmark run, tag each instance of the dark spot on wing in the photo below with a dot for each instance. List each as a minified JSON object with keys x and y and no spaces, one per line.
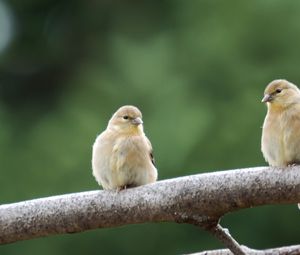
{"x":152,"y":158}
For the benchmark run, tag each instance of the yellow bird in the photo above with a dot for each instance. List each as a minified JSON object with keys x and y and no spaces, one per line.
{"x":280,"y":142}
{"x":122,"y":154}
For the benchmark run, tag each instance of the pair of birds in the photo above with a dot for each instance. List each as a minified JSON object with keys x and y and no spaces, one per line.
{"x":122,"y":154}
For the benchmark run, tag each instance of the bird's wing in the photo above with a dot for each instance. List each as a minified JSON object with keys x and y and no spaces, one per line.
{"x":292,"y":134}
{"x":152,"y":157}
{"x":150,"y":151}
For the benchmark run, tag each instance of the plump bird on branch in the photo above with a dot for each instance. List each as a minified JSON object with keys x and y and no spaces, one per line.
{"x":122,"y":154}
{"x":280,"y":143}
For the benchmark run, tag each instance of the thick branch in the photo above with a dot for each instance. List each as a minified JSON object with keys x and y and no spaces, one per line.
{"x":207,"y":196}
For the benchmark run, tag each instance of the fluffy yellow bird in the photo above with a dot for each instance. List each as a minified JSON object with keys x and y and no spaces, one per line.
{"x":280,"y":143}
{"x":122,"y":154}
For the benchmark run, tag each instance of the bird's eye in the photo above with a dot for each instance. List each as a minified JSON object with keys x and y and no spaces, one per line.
{"x":125,"y":117}
{"x":278,"y":90}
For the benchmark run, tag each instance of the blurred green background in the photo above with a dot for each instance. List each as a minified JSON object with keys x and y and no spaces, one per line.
{"x":197,"y":70}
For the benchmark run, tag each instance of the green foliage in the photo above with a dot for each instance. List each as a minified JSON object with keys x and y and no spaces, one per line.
{"x":196,"y":69}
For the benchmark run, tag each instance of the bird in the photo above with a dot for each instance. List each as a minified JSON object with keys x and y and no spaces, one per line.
{"x":122,"y":154}
{"x":280,"y":141}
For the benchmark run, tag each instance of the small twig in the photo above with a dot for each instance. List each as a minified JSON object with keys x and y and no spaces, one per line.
{"x":212,"y":226}
{"x":224,"y":236}
{"x":287,"y":250}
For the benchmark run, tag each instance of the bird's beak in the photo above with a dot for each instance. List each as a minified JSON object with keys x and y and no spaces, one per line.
{"x":267,"y":98}
{"x":137,"y":121}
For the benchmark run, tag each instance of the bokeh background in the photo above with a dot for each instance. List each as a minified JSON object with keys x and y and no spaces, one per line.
{"x":197,"y":70}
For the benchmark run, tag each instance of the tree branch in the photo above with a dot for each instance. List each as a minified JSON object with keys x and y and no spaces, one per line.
{"x":224,"y":236}
{"x":287,"y":250}
{"x":199,"y":199}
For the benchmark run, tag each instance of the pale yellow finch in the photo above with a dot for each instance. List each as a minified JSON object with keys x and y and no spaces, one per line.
{"x":122,"y":154}
{"x":280,"y":143}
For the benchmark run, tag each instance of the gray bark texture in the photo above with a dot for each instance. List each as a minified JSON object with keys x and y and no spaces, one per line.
{"x":198,"y":199}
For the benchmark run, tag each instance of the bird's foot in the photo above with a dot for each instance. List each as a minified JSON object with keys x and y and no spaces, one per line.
{"x":292,"y":164}
{"x":119,"y":189}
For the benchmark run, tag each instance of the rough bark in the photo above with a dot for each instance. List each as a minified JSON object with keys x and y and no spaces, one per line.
{"x":198,"y":199}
